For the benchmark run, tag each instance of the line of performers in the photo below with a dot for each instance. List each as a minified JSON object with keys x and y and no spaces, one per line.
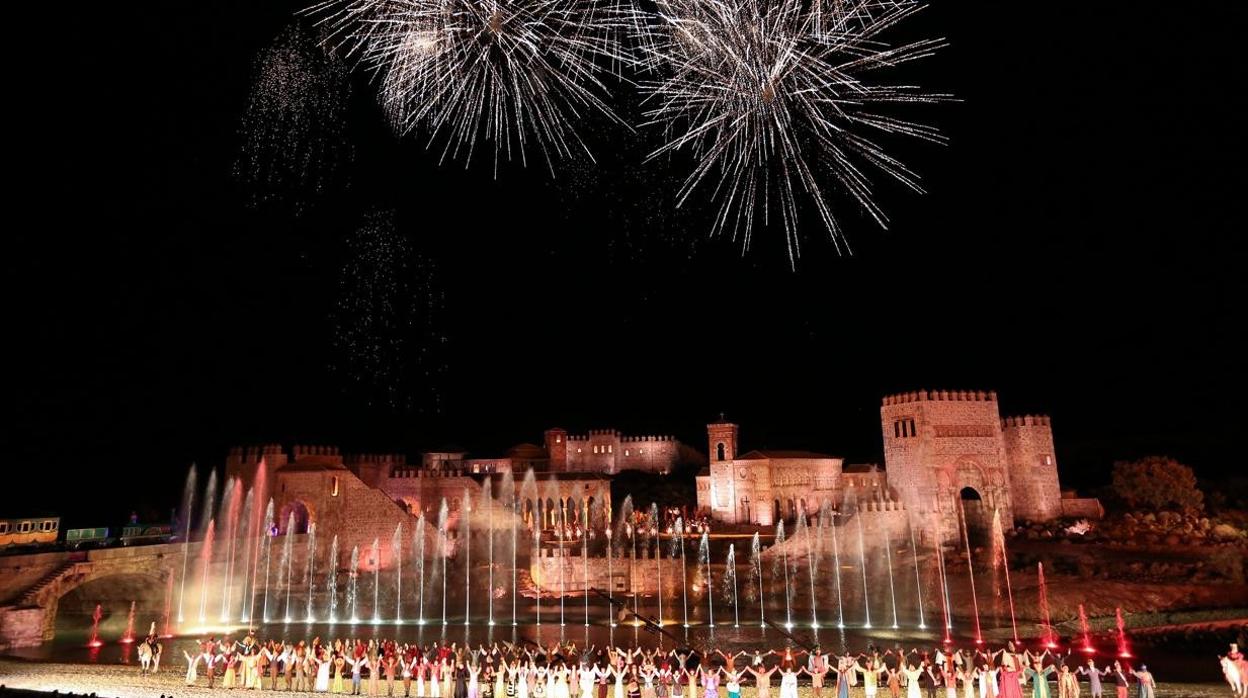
{"x":505,"y":670}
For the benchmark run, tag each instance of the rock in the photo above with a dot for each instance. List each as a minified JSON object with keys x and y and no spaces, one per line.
{"x":1225,"y":531}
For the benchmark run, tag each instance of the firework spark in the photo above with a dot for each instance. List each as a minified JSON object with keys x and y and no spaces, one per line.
{"x":775,"y":101}
{"x":516,"y":73}
{"x":293,"y":129}
{"x":386,"y":321}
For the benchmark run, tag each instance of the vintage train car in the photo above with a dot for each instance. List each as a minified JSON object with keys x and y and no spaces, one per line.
{"x":29,"y":530}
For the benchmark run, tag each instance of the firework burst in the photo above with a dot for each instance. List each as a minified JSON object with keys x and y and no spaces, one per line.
{"x":517,"y":74}
{"x":776,"y":101}
{"x":294,"y":127}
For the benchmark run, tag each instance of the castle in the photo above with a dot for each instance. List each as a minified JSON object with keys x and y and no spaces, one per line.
{"x":948,"y":455}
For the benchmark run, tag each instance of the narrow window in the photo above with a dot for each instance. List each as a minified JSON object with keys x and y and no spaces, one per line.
{"x":719,"y":450}
{"x":333,"y":486}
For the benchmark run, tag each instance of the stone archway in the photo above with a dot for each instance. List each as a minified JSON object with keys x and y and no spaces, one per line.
{"x":304,"y":516}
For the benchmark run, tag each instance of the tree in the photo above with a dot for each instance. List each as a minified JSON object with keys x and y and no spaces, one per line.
{"x":1157,"y":482}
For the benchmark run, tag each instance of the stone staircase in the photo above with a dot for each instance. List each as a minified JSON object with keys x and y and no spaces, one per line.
{"x":31,"y":596}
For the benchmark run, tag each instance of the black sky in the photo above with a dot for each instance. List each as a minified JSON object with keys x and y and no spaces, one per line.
{"x":1078,"y":251}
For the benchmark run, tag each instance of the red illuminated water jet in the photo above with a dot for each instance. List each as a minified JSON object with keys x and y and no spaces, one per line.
{"x":1050,"y":641}
{"x":128,"y":637}
{"x":1124,"y":650}
{"x":95,"y":627}
{"x":1083,"y":629}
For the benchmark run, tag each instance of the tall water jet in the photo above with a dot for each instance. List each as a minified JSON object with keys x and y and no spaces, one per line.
{"x":536,"y":555}
{"x":95,"y":627}
{"x":970,"y":570}
{"x":1045,"y":620}
{"x":257,"y":527}
{"x":1084,"y":632}
{"x":684,"y":569}
{"x":205,"y":562}
{"x":396,"y":558}
{"x":730,"y":584}
{"x":704,"y":558}
{"x":375,"y":561}
{"x":310,"y":614}
{"x":419,"y":544}
{"x":836,"y":563}
{"x":892,"y":589}
{"x":466,"y":535}
{"x":230,"y":509}
{"x":168,"y":632}
{"x":210,"y":502}
{"x":515,"y":563}
{"x":331,"y":580}
{"x":1002,"y":558}
{"x":918,"y":586}
{"x":443,"y":551}
{"x":784,"y":562}
{"x":188,"y":503}
{"x":487,"y":499}
{"x":245,"y":528}
{"x":128,"y":636}
{"x":803,"y":532}
{"x":353,"y":586}
{"x":268,"y":558}
{"x":756,"y":574}
{"x":944,"y":586}
{"x":1124,"y":649}
{"x":653,"y":520}
{"x":584,"y":534}
{"x":862,"y":559}
{"x":288,"y":560}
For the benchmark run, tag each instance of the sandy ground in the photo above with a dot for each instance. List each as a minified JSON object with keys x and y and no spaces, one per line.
{"x":125,"y":682}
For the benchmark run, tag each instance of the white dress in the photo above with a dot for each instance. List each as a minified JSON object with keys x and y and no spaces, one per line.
{"x":587,"y":682}
{"x":522,"y":683}
{"x":788,"y":684}
{"x":912,"y":682}
{"x":322,"y":677}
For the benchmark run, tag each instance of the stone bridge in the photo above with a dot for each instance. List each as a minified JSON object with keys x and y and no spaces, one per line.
{"x":32,"y":586}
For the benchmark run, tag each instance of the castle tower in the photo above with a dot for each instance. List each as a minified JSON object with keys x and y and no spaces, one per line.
{"x":945,"y":456}
{"x":1032,"y":467}
{"x":557,"y":448}
{"x":721,"y":440}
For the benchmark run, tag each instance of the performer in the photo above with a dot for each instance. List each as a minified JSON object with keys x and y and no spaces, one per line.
{"x":1121,"y":680}
{"x":1147,"y":683}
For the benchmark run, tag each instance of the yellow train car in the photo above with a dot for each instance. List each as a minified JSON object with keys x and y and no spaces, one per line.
{"x":32,"y":530}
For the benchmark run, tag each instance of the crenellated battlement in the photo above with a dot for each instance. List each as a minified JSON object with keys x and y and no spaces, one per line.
{"x":254,"y":454}
{"x":303,"y":451}
{"x":379,"y":458}
{"x":1028,"y":420}
{"x":941,"y":396}
{"x":617,"y":435}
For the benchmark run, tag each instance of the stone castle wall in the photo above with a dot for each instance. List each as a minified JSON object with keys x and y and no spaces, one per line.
{"x":620,"y":573}
{"x":1034,"y":488}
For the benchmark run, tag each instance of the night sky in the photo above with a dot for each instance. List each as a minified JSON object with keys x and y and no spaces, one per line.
{"x":1077,"y":251}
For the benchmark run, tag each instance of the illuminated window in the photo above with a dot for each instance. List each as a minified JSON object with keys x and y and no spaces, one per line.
{"x":24,"y":527}
{"x":558,"y":439}
{"x":333,"y":486}
{"x":609,"y":447}
{"x":626,"y":451}
{"x":1048,"y":460}
{"x":578,"y":450}
{"x":4,"y":526}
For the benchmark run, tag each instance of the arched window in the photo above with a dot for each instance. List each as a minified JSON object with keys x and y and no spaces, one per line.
{"x":719,"y":450}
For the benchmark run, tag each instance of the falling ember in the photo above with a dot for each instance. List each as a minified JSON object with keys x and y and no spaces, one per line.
{"x":128,"y":637}
{"x":1046,"y":621}
{"x":1124,"y":650}
{"x":95,"y":627}
{"x":1083,"y":628}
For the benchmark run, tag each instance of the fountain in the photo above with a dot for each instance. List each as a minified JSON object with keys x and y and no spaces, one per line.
{"x":803,"y":532}
{"x":488,"y":499}
{"x":1084,"y":632}
{"x":443,"y":552}
{"x":419,"y":544}
{"x":1046,"y":623}
{"x":1124,"y":649}
{"x":166,"y":616}
{"x":128,"y":636}
{"x":396,"y":558}
{"x":970,"y":570}
{"x":756,"y":571}
{"x":836,"y":562}
{"x":862,"y":559}
{"x":944,"y":587}
{"x":583,"y":532}
{"x":268,"y":558}
{"x":704,"y":558}
{"x":188,"y":502}
{"x":918,"y":586}
{"x":230,"y":509}
{"x":205,"y":562}
{"x":95,"y":627}
{"x":653,"y":520}
{"x":1000,"y":557}
{"x":374,"y":559}
{"x":243,"y":530}
{"x":730,"y":584}
{"x":288,"y":559}
{"x":465,"y":519}
{"x":353,"y":586}
{"x":784,"y":563}
{"x":892,"y":590}
{"x":684,"y":571}
{"x":310,"y":574}
{"x":331,"y":580}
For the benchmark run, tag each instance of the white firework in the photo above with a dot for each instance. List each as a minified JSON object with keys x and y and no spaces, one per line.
{"x":776,"y":101}
{"x":516,"y":73}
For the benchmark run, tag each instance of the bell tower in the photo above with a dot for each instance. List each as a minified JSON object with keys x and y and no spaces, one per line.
{"x":721,"y":440}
